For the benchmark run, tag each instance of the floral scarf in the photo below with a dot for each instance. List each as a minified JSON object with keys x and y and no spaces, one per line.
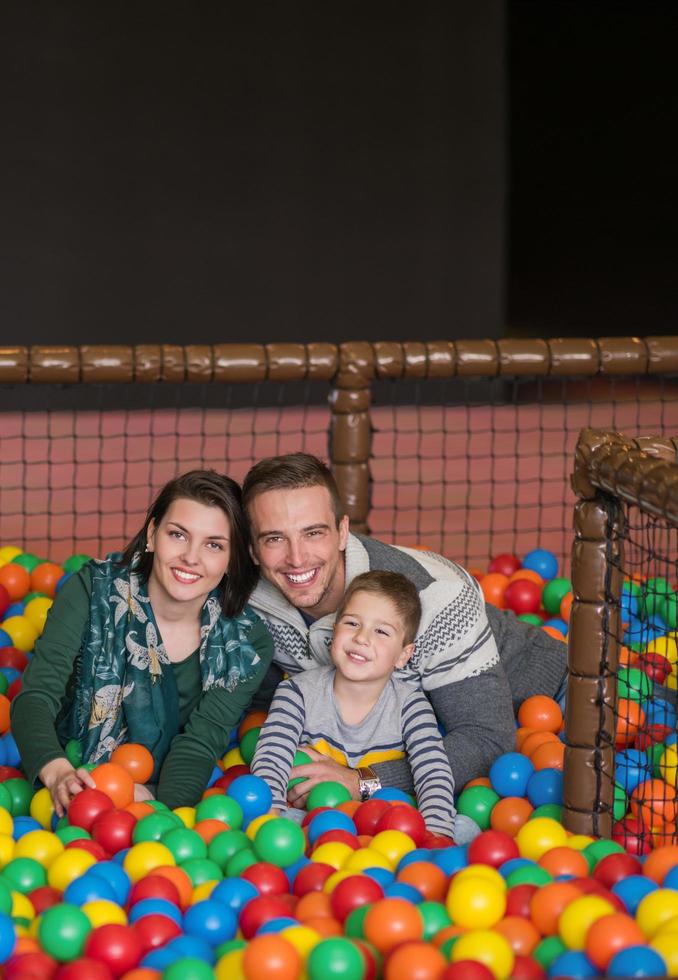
{"x":123,"y":688}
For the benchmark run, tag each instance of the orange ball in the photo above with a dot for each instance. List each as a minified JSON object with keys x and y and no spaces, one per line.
{"x":658,"y":864}
{"x":253,"y":719}
{"x":521,"y":934}
{"x":180,"y":880}
{"x":521,"y":735}
{"x":115,"y":782}
{"x":348,"y":807}
{"x":528,"y":574}
{"x":509,"y":814}
{"x":415,"y":961}
{"x":271,"y":956}
{"x":16,"y":580}
{"x":479,"y":781}
{"x":44,"y":578}
{"x":566,"y":606}
{"x":136,"y":760}
{"x":429,"y":880}
{"x":565,"y":861}
{"x":550,"y":755}
{"x":4,"y":713}
{"x":630,"y":717}
{"x":494,"y":586}
{"x":547,"y":904}
{"x":325,"y":925}
{"x":556,"y":634}
{"x":610,"y":934}
{"x":314,"y":905}
{"x":447,"y":932}
{"x":392,"y":921}
{"x":139,"y":810}
{"x":541,"y":713}
{"x":654,"y":801}
{"x":209,"y":828}
{"x":536,"y":739}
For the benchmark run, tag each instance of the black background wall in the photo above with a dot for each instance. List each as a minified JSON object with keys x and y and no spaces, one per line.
{"x":297,"y":171}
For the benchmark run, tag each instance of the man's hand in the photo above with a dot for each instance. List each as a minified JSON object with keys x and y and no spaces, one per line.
{"x":321,"y":770}
{"x":64,"y":782}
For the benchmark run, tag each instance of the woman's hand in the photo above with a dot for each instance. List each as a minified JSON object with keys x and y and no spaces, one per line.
{"x":64,"y":782}
{"x":142,"y":793}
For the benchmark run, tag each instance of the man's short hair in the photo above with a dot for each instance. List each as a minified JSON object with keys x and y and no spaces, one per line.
{"x":394,"y":586}
{"x":294,"y":471}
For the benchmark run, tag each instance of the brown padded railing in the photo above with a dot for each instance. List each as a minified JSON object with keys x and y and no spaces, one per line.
{"x":350,"y":368}
{"x":610,"y":470}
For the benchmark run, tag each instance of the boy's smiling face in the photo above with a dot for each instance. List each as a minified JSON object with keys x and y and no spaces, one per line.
{"x":369,"y":639}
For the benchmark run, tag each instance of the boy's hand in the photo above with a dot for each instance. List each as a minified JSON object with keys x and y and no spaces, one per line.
{"x":321,"y":770}
{"x":64,"y":782}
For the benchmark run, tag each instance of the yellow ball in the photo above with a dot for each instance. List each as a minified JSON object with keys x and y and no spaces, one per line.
{"x":7,"y":845}
{"x":655,"y":909}
{"x":671,"y":925}
{"x":187,"y":816}
{"x":8,"y":553}
{"x":365,"y":857}
{"x":42,"y":808}
{"x":233,"y":758}
{"x":577,"y":918}
{"x":333,"y":853}
{"x":6,"y":822}
{"x":393,"y":844}
{"x":22,"y":631}
{"x":666,"y":646}
{"x":303,"y":938}
{"x":203,"y":891}
{"x":104,"y":913}
{"x":475,"y":903}
{"x":229,"y":967}
{"x":36,"y":612}
{"x":22,"y":907}
{"x":333,"y":880}
{"x":666,"y":945}
{"x":488,"y":948}
{"x":68,"y":866}
{"x":538,"y":836}
{"x":668,"y":765}
{"x":672,"y":681}
{"x":580,"y":841}
{"x":481,"y":871}
{"x":254,"y":825}
{"x":141,"y":859}
{"x":40,"y":845}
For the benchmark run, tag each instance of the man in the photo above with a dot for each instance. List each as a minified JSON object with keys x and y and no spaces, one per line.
{"x":307,"y":556}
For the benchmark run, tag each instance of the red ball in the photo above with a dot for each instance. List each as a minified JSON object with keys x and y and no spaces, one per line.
{"x":84,"y":968}
{"x":9,"y":772}
{"x":155,"y":930}
{"x":13,"y":689}
{"x":44,"y":898}
{"x":406,"y":819}
{"x":369,"y":954}
{"x":614,"y":867}
{"x":342,"y":836}
{"x":17,"y":659}
{"x":353,"y":892}
{"x":311,"y":878}
{"x":466,"y":970}
{"x":651,"y":736}
{"x":633,"y":835}
{"x":30,"y":966}
{"x":655,"y":666}
{"x":523,"y":596}
{"x":117,"y":946}
{"x":505,"y":565}
{"x":5,"y":603}
{"x":86,"y":806}
{"x":518,"y":900}
{"x":266,"y":878}
{"x":223,"y":782}
{"x":90,"y":846}
{"x":260,"y":910}
{"x":368,"y":815}
{"x":113,"y":830}
{"x":525,"y":968}
{"x":155,"y":886}
{"x":492,"y":847}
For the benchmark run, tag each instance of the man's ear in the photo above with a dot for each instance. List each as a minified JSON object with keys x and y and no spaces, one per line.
{"x":405,"y":655}
{"x":253,"y":555}
{"x":343,"y":532}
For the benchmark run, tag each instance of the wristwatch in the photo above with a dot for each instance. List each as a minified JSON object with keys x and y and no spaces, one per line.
{"x":368,"y":783}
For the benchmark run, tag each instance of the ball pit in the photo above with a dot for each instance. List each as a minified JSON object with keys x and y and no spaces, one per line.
{"x":227,"y":890}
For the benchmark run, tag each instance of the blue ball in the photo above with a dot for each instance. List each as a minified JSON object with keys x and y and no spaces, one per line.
{"x":638,"y":632}
{"x":115,"y":875}
{"x":629,"y":603}
{"x":212,"y":921}
{"x":62,"y":581}
{"x":671,"y":879}
{"x":400,"y":889}
{"x":391,"y":793}
{"x":450,"y":859}
{"x":253,"y":795}
{"x":572,"y":964}
{"x":659,"y":712}
{"x":182,"y":947}
{"x":513,"y":864}
{"x":542,"y":562}
{"x":329,"y":820}
{"x":293,"y":870}
{"x":234,"y":893}
{"x":631,"y":767}
{"x":89,"y":888}
{"x":154,"y":906}
{"x":10,"y":672}
{"x":16,"y":609}
{"x":418,"y":854}
{"x":5,"y":639}
{"x":632,"y":890}
{"x":12,"y":754}
{"x":216,"y":774}
{"x":558,"y":624}
{"x":637,"y":961}
{"x":276,"y":925}
{"x":24,"y":825}
{"x":7,"y":937}
{"x":382,"y":876}
{"x":545,"y":786}
{"x":510,"y":774}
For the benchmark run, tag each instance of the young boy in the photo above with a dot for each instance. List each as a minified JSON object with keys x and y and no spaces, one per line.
{"x":359,"y":712}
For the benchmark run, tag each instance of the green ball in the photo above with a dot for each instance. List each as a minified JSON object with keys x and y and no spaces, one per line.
{"x":653,"y":595}
{"x":531,"y":618}
{"x":34,"y":595}
{"x":223,"y":846}
{"x":21,"y":794}
{"x":601,"y":848}
{"x":24,"y":874}
{"x":280,"y":842}
{"x":328,"y":793}
{"x":554,"y":593}
{"x":157,"y":805}
{"x":248,"y":744}
{"x":654,"y":754}
{"x":228,"y":947}
{"x":220,"y":807}
{"x":75,"y":563}
{"x":184,"y":844}
{"x":354,"y":922}
{"x":240,"y":861}
{"x":548,"y":950}
{"x":152,"y":827}
{"x":73,"y":750}
{"x":300,"y":759}
{"x":200,"y":870}
{"x":335,"y":957}
{"x":27,"y":561}
{"x":529,"y":874}
{"x":447,"y":947}
{"x":188,"y":968}
{"x":63,"y":930}
{"x":435,"y":917}
{"x":621,"y":803}
{"x":668,"y":610}
{"x":67,"y":834}
{"x":476,"y":802}
{"x":6,"y":900}
{"x":5,"y":798}
{"x":4,"y":684}
{"x":633,"y":684}
{"x":552,"y":810}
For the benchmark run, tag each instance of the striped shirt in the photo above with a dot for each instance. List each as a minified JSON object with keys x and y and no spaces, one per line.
{"x":401,"y":724}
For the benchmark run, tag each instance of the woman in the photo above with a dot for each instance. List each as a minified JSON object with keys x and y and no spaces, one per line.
{"x":155,"y":646}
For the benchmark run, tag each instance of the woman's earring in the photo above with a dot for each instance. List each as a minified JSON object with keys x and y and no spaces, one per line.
{"x":147,"y":548}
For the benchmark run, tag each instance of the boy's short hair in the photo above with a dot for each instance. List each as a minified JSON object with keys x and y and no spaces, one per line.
{"x":394,"y":586}
{"x":293,"y":471}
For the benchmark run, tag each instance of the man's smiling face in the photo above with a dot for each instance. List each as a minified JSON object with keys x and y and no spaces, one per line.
{"x":299,"y":548}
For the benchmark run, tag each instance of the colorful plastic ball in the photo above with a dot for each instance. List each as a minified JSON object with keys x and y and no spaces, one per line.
{"x":577,"y":918}
{"x":62,"y":931}
{"x":16,"y":580}
{"x":392,"y":844}
{"x":487,"y":947}
{"x":89,"y":888}
{"x":252,"y":794}
{"x":415,"y":960}
{"x":493,"y":847}
{"x":655,"y":909}
{"x":143,"y":858}
{"x":330,"y":820}
{"x":115,"y":876}
{"x":21,"y":631}
{"x":259,"y":910}
{"x":368,"y":814}
{"x":523,"y":596}
{"x":467,"y":970}
{"x":115,"y":782}
{"x":475,"y":903}
{"x":541,"y":714}
{"x":154,"y":906}
{"x":102,"y":913}
{"x":493,"y":586}
{"x":545,"y":786}
{"x":36,"y":612}
{"x":506,"y":564}
{"x":665,"y":944}
{"x":554,"y":592}
{"x":406,"y":819}
{"x":328,"y":793}
{"x":392,"y":921}
{"x":227,"y":808}
{"x":632,"y":890}
{"x":609,"y":935}
{"x":212,"y":921}
{"x":542,"y":562}
{"x":280,"y":842}
{"x":510,"y":774}
{"x":118,"y":946}
{"x":134,"y":759}
{"x":87,"y":806}
{"x":637,"y":961}
{"x":477,"y":803}
{"x":68,"y":866}
{"x":540,"y":835}
{"x":509,"y":814}
{"x":573,"y":964}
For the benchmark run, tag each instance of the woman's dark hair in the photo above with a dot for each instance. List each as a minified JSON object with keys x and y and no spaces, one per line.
{"x":214,"y":490}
